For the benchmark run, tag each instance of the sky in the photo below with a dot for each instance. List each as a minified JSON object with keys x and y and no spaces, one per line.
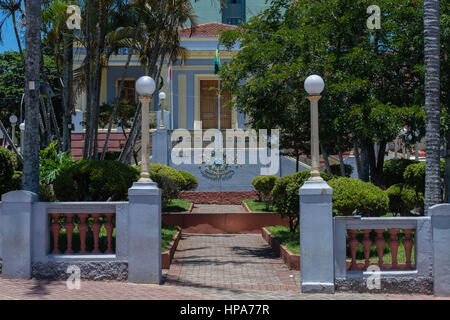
{"x":9,"y":39}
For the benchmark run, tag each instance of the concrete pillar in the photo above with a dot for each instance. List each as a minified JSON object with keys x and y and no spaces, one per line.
{"x":316,"y":237}
{"x":17,"y":209}
{"x":440,"y":224}
{"x":161,"y":146}
{"x":144,"y":233}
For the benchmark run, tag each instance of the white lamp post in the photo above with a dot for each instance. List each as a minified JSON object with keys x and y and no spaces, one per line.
{"x":314,"y":85}
{"x":13,"y":120}
{"x":22,"y":130}
{"x":162,"y":98}
{"x":145,"y":86}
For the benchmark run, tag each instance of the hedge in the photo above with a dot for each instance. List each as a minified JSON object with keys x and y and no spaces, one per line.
{"x":285,"y":195}
{"x":414,"y":175}
{"x":191,"y":180}
{"x":95,"y":180}
{"x":394,"y":169}
{"x":356,"y":197}
{"x":9,"y":179}
{"x":404,"y":198}
{"x":264,"y":185}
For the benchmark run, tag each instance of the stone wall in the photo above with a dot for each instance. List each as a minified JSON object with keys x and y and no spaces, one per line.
{"x":225,"y":197}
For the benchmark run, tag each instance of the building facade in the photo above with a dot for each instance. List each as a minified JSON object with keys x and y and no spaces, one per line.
{"x":190,"y":84}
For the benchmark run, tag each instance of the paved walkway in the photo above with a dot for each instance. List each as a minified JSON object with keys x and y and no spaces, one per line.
{"x":217,"y":208}
{"x":205,"y":267}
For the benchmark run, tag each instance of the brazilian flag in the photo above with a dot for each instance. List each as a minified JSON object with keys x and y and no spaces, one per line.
{"x":217,"y":60}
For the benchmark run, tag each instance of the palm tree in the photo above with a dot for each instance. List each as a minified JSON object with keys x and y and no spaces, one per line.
{"x":432,"y":103}
{"x":8,"y":8}
{"x":30,"y":177}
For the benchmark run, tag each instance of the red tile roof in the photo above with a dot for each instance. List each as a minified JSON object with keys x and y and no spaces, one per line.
{"x":209,"y":29}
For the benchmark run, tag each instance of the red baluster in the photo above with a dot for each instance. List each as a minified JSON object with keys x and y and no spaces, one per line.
{"x":96,"y":230}
{"x":408,"y":244}
{"x":83,"y":228}
{"x":69,"y":226}
{"x":393,"y":245}
{"x":55,"y":229}
{"x":353,"y":244}
{"x":367,"y":243}
{"x":379,"y":243}
{"x":109,"y":226}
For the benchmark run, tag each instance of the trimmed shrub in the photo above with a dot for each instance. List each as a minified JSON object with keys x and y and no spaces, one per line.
{"x":191,"y":180}
{"x":404,"y":198}
{"x":394,"y":169}
{"x":336,"y":169}
{"x":414,"y":175}
{"x":356,"y":197}
{"x":285,"y":195}
{"x":95,"y":180}
{"x":169,"y":180}
{"x":264,"y":185}
{"x":8,"y":167}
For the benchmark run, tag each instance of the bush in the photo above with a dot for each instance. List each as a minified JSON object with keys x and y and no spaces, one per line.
{"x":52,"y":162}
{"x":403,"y":198}
{"x":191,"y":180}
{"x":356,"y":197}
{"x":46,"y":193}
{"x":336,"y":169}
{"x":169,"y":180}
{"x":394,"y":169}
{"x":95,"y":180}
{"x":285,"y":195}
{"x":8,"y":167}
{"x":414,"y":175}
{"x":264,"y":185}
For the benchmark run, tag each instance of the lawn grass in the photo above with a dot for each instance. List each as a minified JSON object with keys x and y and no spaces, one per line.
{"x":167,"y":234}
{"x":292,"y":242}
{"x":178,"y":205}
{"x":288,"y":239}
{"x":259,"y":206}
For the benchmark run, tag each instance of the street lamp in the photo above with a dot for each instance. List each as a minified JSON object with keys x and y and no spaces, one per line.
{"x":22,"y":130}
{"x":13,"y":120}
{"x":314,"y":86}
{"x":162,"y":98}
{"x":145,"y":86}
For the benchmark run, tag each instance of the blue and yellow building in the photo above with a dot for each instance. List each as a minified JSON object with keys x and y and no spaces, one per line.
{"x":192,"y":89}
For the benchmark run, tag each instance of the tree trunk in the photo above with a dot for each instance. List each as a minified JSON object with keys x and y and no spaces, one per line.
{"x":16,"y":33}
{"x":341,"y":164}
{"x":87,"y":66}
{"x":116,"y":101}
{"x":432,"y":103}
{"x":357,"y":159}
{"x":365,"y":165}
{"x":67,"y":90}
{"x":30,"y":176}
{"x":325,"y":158}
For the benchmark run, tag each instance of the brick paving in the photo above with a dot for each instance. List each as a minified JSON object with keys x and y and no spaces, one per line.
{"x":225,"y":267}
{"x":217,"y":208}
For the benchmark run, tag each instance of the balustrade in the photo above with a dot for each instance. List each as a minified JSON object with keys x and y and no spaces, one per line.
{"x":376,"y":237}
{"x":91,"y":232}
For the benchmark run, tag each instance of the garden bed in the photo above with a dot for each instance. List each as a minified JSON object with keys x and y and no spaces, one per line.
{"x":168,"y":249}
{"x":292,"y":260}
{"x":251,"y":205}
{"x":179,"y":205}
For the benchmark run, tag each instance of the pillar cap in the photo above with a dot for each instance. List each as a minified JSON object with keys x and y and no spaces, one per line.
{"x":20,"y":196}
{"x":315,"y":188}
